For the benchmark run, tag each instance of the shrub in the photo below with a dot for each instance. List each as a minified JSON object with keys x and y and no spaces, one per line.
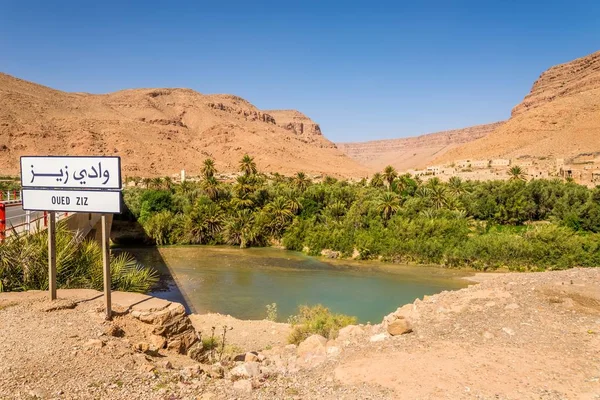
{"x":24,"y":264}
{"x":317,"y":320}
{"x":272,"y":312}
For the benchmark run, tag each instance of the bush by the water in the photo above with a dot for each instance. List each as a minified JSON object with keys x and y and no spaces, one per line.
{"x":24,"y":264}
{"x":317,"y":320}
{"x":521,"y":225}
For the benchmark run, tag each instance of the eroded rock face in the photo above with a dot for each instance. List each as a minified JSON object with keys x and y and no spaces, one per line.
{"x":563,"y":80}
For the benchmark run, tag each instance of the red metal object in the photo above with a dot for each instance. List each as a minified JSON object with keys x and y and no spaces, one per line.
{"x":2,"y":222}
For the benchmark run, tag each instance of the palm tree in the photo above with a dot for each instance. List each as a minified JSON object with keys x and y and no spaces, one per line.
{"x":456,"y":186}
{"x":377,"y":180}
{"x":516,"y":173}
{"x":240,"y":228}
{"x":301,"y":181}
{"x":438,"y":197}
{"x":168,"y":182}
{"x":337,"y":209}
{"x":389,"y":204}
{"x":389,"y":174}
{"x":329,"y":180}
{"x":211,"y":187}
{"x":293,"y":200}
{"x":208,"y":169}
{"x":247,"y":165}
{"x":245,"y":184}
{"x":146,"y":182}
{"x":280,"y":210}
{"x":156,"y":183}
{"x":203,"y":223}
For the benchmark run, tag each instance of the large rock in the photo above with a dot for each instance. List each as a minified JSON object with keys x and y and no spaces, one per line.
{"x":350,"y":332}
{"x":245,"y":371}
{"x":313,"y":345}
{"x":409,"y":313}
{"x":171,"y":323}
{"x":399,"y":327}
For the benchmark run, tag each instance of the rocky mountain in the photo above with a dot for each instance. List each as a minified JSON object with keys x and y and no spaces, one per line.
{"x":158,"y":132}
{"x":559,"y":118}
{"x":413,"y":152}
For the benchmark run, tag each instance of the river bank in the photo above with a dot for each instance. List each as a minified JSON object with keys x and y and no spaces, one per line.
{"x":513,"y":336}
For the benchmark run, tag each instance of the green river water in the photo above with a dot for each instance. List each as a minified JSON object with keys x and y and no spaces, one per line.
{"x":241,"y":283}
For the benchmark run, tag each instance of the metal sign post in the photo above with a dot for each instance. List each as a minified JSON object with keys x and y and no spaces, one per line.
{"x":52,"y":255}
{"x":73,"y":184}
{"x":106,"y":267}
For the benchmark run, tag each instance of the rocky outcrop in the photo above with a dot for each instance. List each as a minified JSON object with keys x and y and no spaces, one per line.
{"x":559,"y":118}
{"x":249,"y":115}
{"x":572,"y":78}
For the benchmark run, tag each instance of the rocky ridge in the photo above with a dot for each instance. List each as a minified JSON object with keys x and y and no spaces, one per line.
{"x":559,"y":118}
{"x":159,"y":132}
{"x":413,"y":152}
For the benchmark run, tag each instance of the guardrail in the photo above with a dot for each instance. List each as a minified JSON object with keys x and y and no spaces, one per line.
{"x":10,"y":195}
{"x":25,"y":221}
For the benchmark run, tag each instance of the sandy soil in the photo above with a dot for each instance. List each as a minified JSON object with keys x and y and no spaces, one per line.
{"x":513,"y":336}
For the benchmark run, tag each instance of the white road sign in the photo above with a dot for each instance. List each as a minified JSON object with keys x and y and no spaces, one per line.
{"x":71,"y":172}
{"x":86,"y":201}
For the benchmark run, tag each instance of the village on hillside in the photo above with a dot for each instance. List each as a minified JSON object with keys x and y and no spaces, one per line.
{"x":583,"y":169}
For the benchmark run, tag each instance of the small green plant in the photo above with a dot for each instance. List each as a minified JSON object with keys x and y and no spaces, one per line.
{"x":317,"y":320}
{"x":272,"y":312}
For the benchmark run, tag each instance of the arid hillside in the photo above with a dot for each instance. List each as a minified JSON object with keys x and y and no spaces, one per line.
{"x":159,"y":132}
{"x":559,"y":118}
{"x":413,"y":152}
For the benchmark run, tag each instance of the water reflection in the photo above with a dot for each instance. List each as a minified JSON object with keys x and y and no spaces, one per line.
{"x":242,"y":282}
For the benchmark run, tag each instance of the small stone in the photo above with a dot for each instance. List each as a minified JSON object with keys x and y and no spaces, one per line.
{"x":511,"y":306}
{"x":261,"y":357}
{"x":148,"y":368}
{"x":167,"y":365}
{"x":216,"y":371}
{"x":38,"y":393}
{"x":250,"y":357}
{"x":380,"y":337}
{"x":114,"y":330}
{"x":94,"y":344}
{"x":399,"y":327}
{"x":290,"y":347}
{"x":243,"y":385}
{"x":333,"y":351}
{"x":488,"y":335}
{"x":246,"y":370}
{"x":508,"y":331}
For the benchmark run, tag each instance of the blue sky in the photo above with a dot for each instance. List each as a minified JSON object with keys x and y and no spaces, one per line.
{"x":363,"y":70}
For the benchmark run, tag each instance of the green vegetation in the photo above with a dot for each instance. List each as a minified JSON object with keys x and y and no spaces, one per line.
{"x":272,"y":312}
{"x":541,"y":224}
{"x":24,"y":264}
{"x":317,"y":320}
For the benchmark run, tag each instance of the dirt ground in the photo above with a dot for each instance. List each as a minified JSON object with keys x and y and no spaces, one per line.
{"x":512,"y":336}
